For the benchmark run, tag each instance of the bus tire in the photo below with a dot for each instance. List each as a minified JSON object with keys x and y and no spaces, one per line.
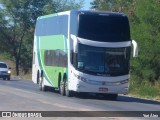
{"x":59,"y":81}
{"x":38,"y":77}
{"x":42,"y":87}
{"x":62,"y":88}
{"x":113,"y":96}
{"x":68,"y":92}
{"x":40,"y":84}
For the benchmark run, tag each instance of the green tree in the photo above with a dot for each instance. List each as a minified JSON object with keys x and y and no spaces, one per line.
{"x":17,"y":22}
{"x":113,"y":5}
{"x":147,"y":33}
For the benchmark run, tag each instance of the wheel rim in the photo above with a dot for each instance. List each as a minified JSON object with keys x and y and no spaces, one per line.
{"x":61,"y":88}
{"x":40,"y":83}
{"x":66,"y":88}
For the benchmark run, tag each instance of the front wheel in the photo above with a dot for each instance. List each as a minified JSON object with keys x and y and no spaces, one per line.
{"x":62,"y":88}
{"x":68,"y":92}
{"x":8,"y":78}
{"x":111,"y":96}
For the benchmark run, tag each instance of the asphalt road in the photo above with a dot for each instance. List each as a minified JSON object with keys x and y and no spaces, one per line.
{"x":24,"y":95}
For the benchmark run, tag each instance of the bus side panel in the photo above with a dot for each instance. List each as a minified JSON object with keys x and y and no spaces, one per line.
{"x":34,"y":62}
{"x":50,"y":48}
{"x":52,"y":52}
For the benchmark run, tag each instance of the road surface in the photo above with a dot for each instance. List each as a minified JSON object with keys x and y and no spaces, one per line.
{"x":24,"y":95}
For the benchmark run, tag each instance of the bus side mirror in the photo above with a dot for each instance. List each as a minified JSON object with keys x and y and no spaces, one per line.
{"x":135,"y":48}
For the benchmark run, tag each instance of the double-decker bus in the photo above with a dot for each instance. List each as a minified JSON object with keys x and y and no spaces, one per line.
{"x":83,"y":52}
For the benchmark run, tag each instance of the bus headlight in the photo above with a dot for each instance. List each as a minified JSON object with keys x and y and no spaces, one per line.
{"x":124,"y":81}
{"x":80,"y":78}
{"x":93,"y":82}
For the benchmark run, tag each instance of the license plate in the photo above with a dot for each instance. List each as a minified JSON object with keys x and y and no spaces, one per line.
{"x":103,"y":89}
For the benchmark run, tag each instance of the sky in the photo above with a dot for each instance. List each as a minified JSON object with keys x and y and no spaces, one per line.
{"x":87,"y":4}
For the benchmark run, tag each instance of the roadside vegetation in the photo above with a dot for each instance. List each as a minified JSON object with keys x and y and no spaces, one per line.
{"x":144,"y":89}
{"x":17,"y":23}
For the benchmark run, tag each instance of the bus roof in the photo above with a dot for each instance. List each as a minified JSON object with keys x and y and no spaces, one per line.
{"x":91,"y":12}
{"x":100,"y":12}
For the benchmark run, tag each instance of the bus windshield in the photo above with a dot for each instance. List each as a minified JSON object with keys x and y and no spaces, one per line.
{"x":104,"y":28}
{"x":103,"y":61}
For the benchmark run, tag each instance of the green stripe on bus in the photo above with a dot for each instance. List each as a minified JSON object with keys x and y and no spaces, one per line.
{"x":39,"y":60}
{"x":52,"y":42}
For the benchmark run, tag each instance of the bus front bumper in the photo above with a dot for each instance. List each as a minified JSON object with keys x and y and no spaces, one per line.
{"x":114,"y":89}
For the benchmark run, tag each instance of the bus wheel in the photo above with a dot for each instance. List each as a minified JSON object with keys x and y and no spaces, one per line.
{"x":42,"y":87}
{"x":68,"y":92}
{"x":62,"y":88}
{"x":40,"y":84}
{"x":113,"y":96}
{"x":38,"y":77}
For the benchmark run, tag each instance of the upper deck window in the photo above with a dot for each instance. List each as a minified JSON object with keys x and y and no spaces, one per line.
{"x":104,"y":28}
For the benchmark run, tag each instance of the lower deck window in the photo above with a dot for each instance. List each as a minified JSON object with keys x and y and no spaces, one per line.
{"x":55,"y":58}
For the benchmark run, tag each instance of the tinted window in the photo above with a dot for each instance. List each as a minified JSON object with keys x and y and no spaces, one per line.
{"x":104,"y":28}
{"x":2,"y":65}
{"x":55,"y":58}
{"x":57,"y":25}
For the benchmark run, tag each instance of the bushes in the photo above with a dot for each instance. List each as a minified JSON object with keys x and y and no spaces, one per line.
{"x":144,"y":88}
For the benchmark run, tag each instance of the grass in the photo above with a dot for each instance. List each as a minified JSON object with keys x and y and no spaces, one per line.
{"x":27,"y":76}
{"x":144,"y":89}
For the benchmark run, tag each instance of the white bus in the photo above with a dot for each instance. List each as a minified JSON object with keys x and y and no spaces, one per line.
{"x":83,"y":52}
